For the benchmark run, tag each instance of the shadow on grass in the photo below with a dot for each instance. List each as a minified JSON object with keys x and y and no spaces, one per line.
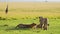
{"x":22,"y":29}
{"x":2,"y":18}
{"x":4,"y":25}
{"x":13,"y":28}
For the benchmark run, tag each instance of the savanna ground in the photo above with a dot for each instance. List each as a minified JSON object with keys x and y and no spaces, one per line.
{"x":27,"y":13}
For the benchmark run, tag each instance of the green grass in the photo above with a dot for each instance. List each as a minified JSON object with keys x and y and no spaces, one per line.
{"x":54,"y":27}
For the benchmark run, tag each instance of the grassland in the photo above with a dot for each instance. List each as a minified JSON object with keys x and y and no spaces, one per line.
{"x":27,"y":13}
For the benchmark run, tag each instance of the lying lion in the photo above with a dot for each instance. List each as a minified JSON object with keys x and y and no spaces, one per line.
{"x":25,"y":25}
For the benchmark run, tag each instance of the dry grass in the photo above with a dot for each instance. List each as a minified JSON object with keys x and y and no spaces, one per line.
{"x":32,"y":9}
{"x":30,"y":5}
